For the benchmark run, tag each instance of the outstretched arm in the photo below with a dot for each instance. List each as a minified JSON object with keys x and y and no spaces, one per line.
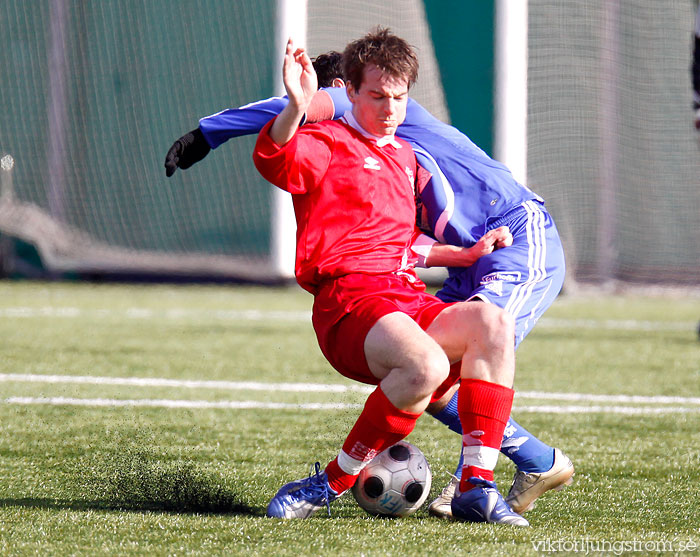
{"x":248,"y":119}
{"x":445,"y":255}
{"x":218,"y":128}
{"x":301,"y":84}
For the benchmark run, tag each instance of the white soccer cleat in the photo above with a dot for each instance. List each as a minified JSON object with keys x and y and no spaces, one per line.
{"x":441,"y":507}
{"x":527,"y":487}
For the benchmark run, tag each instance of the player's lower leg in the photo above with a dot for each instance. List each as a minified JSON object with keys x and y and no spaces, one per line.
{"x":537,"y":469}
{"x":484,"y":408}
{"x":528,"y":453}
{"x":379,"y":426}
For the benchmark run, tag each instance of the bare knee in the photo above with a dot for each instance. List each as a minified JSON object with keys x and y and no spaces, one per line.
{"x":412,"y":385}
{"x":498,"y":328}
{"x":426,"y":373}
{"x":408,"y":362}
{"x":432,"y":373}
{"x":482,"y":336}
{"x":490,"y":355}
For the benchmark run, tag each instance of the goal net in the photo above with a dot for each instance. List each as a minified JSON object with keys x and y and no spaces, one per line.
{"x":611,"y":143}
{"x":94,"y":93}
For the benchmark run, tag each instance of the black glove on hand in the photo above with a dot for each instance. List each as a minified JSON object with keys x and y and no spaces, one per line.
{"x":189,"y":149}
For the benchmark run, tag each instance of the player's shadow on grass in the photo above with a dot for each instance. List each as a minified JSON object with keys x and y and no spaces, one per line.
{"x":140,"y":482}
{"x":109,"y":505}
{"x":171,"y":487}
{"x":139,"y":478}
{"x":148,"y":484}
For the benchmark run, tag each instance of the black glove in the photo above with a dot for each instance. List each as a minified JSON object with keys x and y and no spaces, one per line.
{"x":189,"y":149}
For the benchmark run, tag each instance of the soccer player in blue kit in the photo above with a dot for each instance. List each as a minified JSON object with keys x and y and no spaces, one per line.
{"x":469,"y":194}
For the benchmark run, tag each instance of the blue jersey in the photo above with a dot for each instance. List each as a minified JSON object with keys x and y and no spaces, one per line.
{"x":485,"y":188}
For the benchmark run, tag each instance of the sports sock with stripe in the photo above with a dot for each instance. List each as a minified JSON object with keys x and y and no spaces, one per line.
{"x":379,"y":426}
{"x":484,"y":409}
{"x":528,"y":452}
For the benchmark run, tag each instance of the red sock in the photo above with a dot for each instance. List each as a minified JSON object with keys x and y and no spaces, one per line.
{"x":484,"y":409}
{"x":379,"y":426}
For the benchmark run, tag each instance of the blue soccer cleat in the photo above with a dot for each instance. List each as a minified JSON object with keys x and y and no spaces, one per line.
{"x":302,"y":498}
{"x":484,"y":503}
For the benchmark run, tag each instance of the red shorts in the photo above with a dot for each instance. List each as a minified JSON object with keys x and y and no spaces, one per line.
{"x":346,"y":308}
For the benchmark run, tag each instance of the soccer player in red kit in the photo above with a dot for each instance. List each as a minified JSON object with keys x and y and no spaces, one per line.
{"x":352,"y":184}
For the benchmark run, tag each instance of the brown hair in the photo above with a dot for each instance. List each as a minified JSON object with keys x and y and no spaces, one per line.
{"x":380,"y":47}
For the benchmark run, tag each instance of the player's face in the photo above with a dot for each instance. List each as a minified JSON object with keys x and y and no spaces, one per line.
{"x":379,"y":105}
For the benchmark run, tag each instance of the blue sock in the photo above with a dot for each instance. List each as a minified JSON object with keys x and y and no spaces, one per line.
{"x":527,"y":452}
{"x":458,"y":472}
{"x":450,"y":416}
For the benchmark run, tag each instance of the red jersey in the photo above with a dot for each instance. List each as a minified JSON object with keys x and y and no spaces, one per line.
{"x":353,"y":198}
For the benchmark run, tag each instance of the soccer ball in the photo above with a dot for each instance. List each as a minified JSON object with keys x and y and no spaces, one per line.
{"x":395,"y":483}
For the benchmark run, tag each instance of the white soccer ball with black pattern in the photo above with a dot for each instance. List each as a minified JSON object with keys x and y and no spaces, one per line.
{"x":395,"y":483}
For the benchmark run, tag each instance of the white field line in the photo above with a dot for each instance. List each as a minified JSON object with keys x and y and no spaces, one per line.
{"x":629,"y":399}
{"x":305,"y":316}
{"x":146,"y":313}
{"x":185,"y":384}
{"x":618,"y":324}
{"x":612,"y":402}
{"x":629,"y":410}
{"x":167,"y":403}
{"x":313,"y":388}
{"x":199,"y":404}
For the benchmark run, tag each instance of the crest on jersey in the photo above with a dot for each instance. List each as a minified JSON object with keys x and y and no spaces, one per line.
{"x":372,"y":163}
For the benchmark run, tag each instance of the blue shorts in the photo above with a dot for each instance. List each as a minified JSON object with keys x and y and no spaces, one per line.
{"x":525,"y":278}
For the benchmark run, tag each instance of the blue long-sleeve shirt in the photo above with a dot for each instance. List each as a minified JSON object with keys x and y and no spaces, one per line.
{"x":468,"y":189}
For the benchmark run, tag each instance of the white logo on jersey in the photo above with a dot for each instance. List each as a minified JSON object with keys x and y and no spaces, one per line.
{"x":409,"y":173}
{"x":372,"y":164}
